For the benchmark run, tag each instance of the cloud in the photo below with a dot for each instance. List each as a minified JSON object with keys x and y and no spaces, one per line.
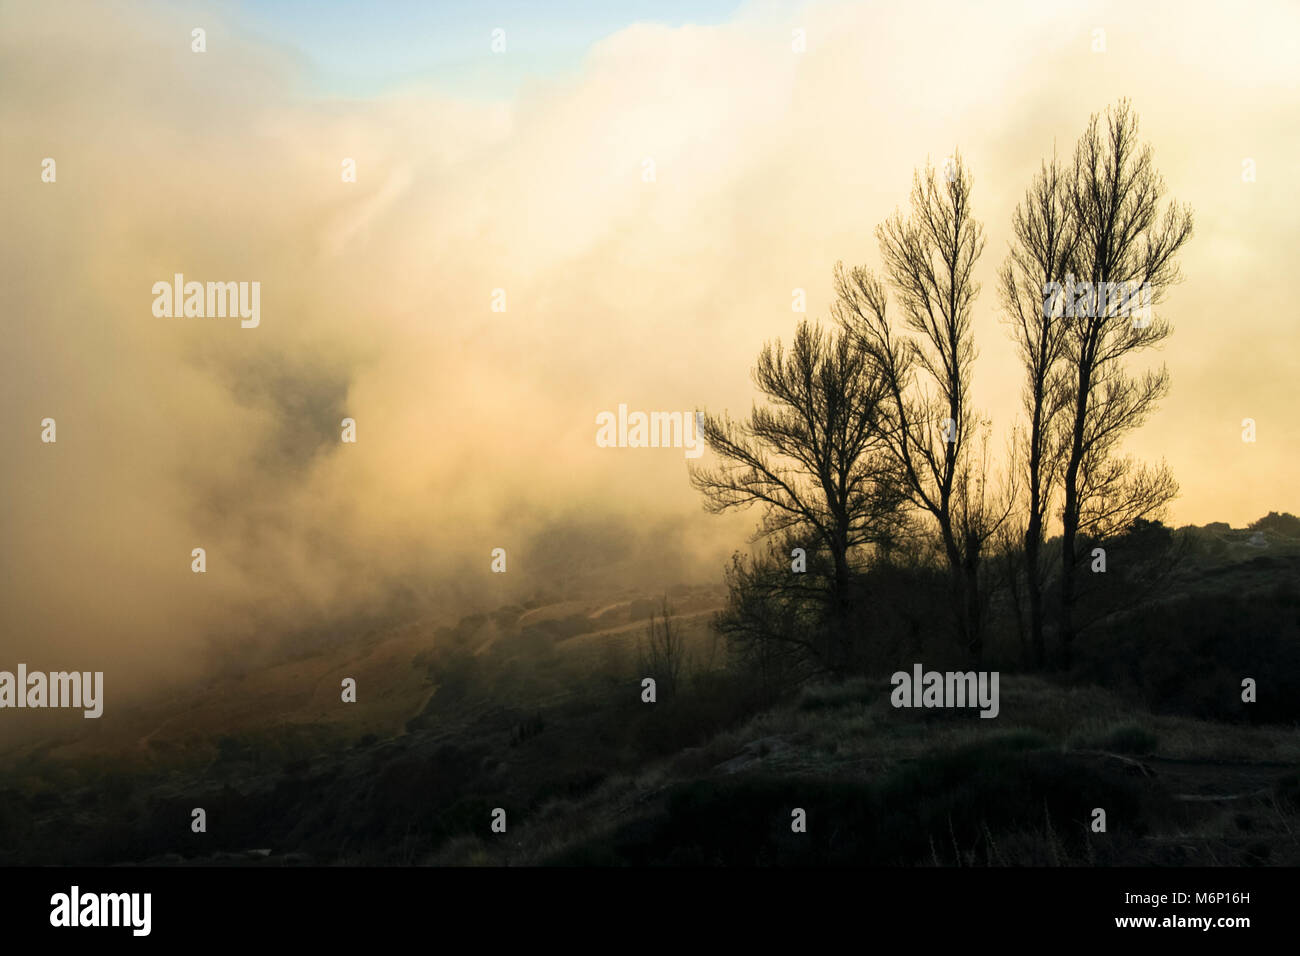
{"x":476,"y":428}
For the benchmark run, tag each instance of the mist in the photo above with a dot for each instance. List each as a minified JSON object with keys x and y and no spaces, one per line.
{"x":475,"y":428}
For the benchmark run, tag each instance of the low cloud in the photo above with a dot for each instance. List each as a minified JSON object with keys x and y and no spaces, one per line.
{"x":475,"y":428}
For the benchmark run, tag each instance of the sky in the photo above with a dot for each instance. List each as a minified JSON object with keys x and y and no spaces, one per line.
{"x":525,"y":171}
{"x":358,"y":50}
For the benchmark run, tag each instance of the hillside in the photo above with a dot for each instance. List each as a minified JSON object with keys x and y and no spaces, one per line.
{"x":536,"y":709}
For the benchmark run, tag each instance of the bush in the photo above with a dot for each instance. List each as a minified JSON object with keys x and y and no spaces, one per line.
{"x":1130,"y":740}
{"x":1285,"y":524}
{"x":1189,"y":655}
{"x":955,"y":807}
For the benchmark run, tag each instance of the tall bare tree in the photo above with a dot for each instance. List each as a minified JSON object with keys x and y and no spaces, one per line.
{"x":812,"y":458}
{"x":1125,"y":242}
{"x":1043,"y":249}
{"x":929,"y":260}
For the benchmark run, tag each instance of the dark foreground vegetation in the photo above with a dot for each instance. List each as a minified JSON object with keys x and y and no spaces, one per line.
{"x":541,"y":714}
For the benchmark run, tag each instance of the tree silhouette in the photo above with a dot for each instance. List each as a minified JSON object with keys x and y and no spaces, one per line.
{"x":663,"y":654}
{"x":813,"y":458}
{"x":1043,"y":249}
{"x":1124,"y":243}
{"x":928,"y":422}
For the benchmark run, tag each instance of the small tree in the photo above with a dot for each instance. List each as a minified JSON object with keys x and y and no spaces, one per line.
{"x":775,"y":621}
{"x":663,"y":654}
{"x":813,"y":459}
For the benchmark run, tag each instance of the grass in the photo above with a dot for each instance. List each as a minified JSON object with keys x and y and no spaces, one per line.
{"x":557,"y":734}
{"x":904,"y":790}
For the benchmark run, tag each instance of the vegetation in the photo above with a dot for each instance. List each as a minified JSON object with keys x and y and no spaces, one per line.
{"x":887,"y":536}
{"x":869,"y":441}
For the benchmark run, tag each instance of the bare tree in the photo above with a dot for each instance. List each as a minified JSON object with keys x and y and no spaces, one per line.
{"x":979,"y":514}
{"x":812,"y":458}
{"x":1043,"y":249}
{"x":929,"y":259}
{"x":1124,"y":243}
{"x":663,"y":655}
{"x":775,"y":622}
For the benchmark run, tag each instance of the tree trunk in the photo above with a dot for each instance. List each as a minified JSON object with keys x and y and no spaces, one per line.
{"x":957,"y":589}
{"x":1013,"y":587}
{"x":839,"y":623}
{"x":1033,"y":549}
{"x":1070,"y":525}
{"x":974,"y":613}
{"x":1070,"y":516}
